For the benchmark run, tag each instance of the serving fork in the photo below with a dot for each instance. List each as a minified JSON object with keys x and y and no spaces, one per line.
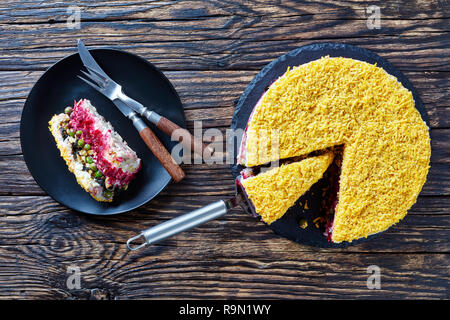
{"x":100,"y":81}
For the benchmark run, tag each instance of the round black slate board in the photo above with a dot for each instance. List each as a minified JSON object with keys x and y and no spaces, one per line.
{"x":58,"y":87}
{"x":288,"y":225}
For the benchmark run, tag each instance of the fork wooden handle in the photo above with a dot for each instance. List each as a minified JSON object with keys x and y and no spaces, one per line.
{"x":184,"y":136}
{"x":158,"y":149}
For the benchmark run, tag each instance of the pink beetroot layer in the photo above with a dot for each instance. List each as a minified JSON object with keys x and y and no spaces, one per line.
{"x":82,"y":119}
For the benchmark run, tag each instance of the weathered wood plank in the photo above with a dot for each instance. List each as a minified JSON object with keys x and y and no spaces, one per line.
{"x":10,"y":132}
{"x":211,"y":50}
{"x":162,"y":208}
{"x":409,"y":44}
{"x":38,"y":219}
{"x":164,"y":272}
{"x":46,"y":239}
{"x":56,"y":11}
{"x":218,"y":27}
{"x":211,"y":89}
{"x":206,"y":179}
{"x":207,"y":96}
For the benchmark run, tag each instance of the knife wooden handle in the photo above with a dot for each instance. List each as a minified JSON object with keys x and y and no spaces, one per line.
{"x":158,"y":149}
{"x":185,"y":137}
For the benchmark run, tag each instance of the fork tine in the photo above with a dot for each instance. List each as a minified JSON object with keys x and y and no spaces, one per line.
{"x":91,"y":70}
{"x":89,"y":83}
{"x":94,"y":78}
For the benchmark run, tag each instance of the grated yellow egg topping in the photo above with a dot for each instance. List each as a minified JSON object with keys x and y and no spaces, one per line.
{"x":65,"y":148}
{"x":376,"y":193}
{"x":273,"y":192}
{"x":334,"y":101}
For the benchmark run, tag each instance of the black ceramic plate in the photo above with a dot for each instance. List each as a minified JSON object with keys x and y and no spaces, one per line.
{"x":59,"y":87}
{"x":288,"y":225}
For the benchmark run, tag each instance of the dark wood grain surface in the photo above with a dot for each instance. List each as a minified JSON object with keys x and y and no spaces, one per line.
{"x":211,"y":50}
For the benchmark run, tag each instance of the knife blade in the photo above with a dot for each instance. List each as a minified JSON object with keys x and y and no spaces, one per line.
{"x":87,"y":58}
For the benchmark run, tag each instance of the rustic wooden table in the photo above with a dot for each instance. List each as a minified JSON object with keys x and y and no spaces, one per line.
{"x":211,"y":50}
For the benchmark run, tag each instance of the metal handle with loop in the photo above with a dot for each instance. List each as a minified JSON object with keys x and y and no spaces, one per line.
{"x":178,"y":224}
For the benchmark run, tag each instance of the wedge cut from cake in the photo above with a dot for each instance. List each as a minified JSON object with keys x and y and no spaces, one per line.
{"x":274,"y":191}
{"x":356,"y":105}
{"x":102,"y":162}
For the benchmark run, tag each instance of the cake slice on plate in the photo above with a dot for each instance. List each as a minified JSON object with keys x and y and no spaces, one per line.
{"x":102,"y":162}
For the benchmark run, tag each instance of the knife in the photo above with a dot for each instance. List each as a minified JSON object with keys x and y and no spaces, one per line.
{"x":162,"y":123}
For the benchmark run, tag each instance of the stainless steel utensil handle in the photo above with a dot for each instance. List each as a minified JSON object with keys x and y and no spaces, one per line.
{"x":179,"y":224}
{"x":152,"y":116}
{"x":168,"y":127}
